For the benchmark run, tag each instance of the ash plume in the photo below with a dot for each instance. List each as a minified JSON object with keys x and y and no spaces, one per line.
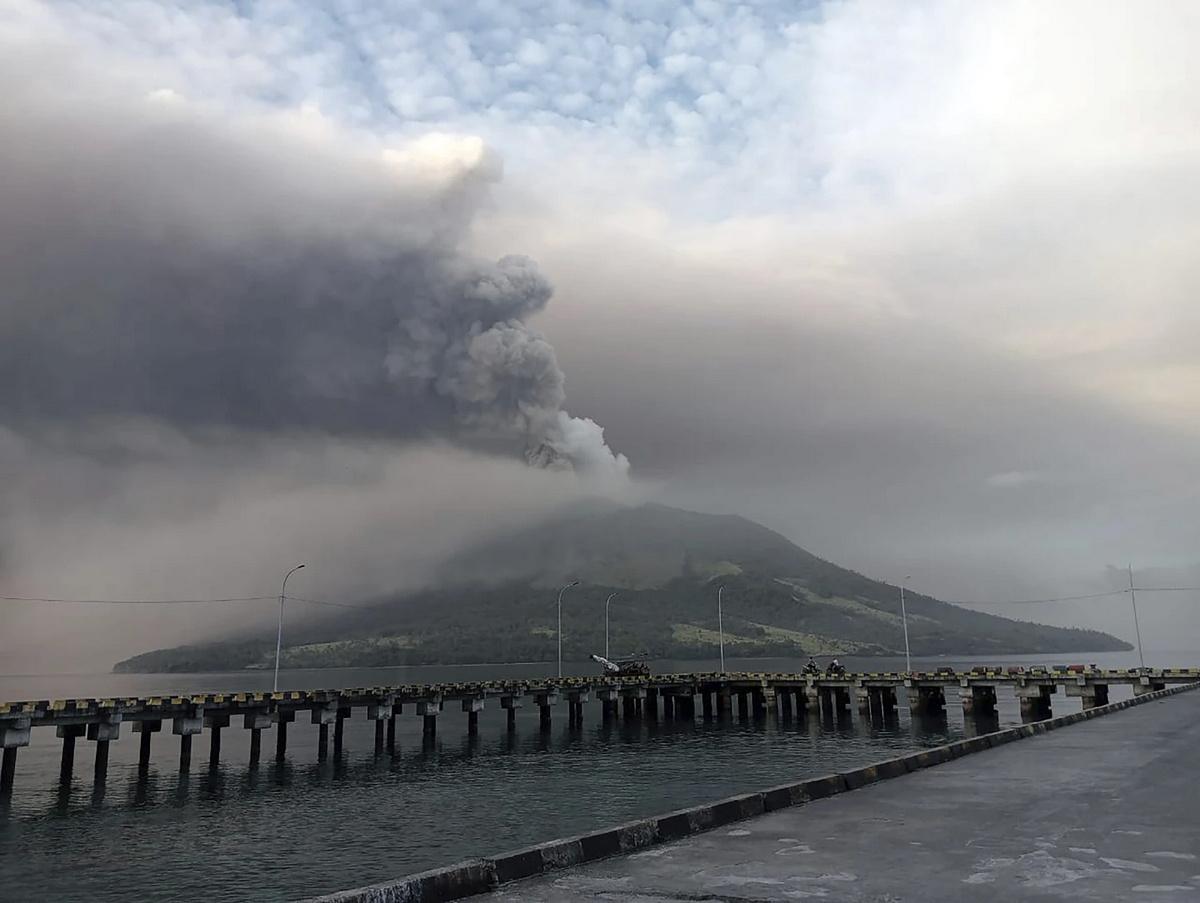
{"x":266,"y":272}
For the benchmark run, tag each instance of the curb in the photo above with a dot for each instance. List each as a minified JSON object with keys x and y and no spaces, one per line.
{"x":477,"y":876}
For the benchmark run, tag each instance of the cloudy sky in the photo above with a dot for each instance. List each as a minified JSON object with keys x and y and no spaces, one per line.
{"x":913,"y":283}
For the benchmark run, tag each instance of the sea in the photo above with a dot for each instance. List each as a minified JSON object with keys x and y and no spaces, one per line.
{"x":300,"y":828}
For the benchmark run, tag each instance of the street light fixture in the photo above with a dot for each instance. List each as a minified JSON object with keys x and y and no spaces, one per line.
{"x":607,"y":602}
{"x":904,"y":620}
{"x":560,"y":595}
{"x":279,"y":633}
{"x":721,"y":627}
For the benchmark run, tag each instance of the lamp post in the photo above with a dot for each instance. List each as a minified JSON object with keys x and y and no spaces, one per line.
{"x":279,"y":633}
{"x":607,"y":602}
{"x":721,"y":627}
{"x":560,"y":595}
{"x":904,"y":620}
{"x":1133,"y":599}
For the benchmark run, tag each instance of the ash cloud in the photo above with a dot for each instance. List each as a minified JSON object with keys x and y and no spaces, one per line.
{"x":264,"y":272}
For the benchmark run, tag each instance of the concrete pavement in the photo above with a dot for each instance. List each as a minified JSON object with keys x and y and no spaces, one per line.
{"x":1107,"y":809}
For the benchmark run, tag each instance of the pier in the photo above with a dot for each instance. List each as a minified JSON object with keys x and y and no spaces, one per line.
{"x":99,"y":721}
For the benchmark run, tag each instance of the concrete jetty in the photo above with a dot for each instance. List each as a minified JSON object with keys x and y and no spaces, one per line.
{"x":670,"y":696}
{"x":1108,"y":809}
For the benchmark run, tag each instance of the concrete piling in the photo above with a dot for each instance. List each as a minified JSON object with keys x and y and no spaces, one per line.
{"x":102,"y":733}
{"x":8,"y":770}
{"x":339,"y":730}
{"x":185,"y":727}
{"x":13,"y":735}
{"x":283,"y":718}
{"x":69,"y":733}
{"x":147,"y":729}
{"x":256,"y":723}
{"x":324,"y":716}
{"x":427,"y":711}
{"x":215,"y":722}
{"x":472,"y":707}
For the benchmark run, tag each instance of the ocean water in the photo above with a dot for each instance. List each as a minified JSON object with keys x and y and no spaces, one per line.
{"x":295,"y":829}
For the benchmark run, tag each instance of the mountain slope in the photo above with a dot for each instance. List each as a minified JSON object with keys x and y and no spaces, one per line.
{"x":665,"y":564}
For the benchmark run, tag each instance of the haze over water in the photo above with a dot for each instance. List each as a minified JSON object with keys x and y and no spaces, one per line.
{"x":281,"y":832}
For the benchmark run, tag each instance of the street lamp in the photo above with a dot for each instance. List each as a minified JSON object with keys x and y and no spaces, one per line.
{"x":721,"y":627}
{"x":279,"y":634}
{"x":607,"y":602}
{"x":904,"y":619}
{"x":560,"y":594}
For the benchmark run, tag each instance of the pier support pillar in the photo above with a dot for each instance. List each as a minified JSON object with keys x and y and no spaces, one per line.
{"x":862,"y":699}
{"x":283,"y":717}
{"x":339,"y":731}
{"x":472,"y":707}
{"x":1035,"y":701}
{"x":147,"y":729}
{"x":813,"y":699}
{"x":926,"y":700}
{"x":668,"y":701}
{"x":323,"y":717}
{"x":706,"y":703}
{"x":69,"y":733}
{"x":510,"y":704}
{"x":785,"y":703}
{"x":14,"y":734}
{"x":544,"y":703}
{"x":883,"y":701}
{"x":185,"y":727}
{"x":104,"y":732}
{"x":427,"y":711}
{"x":379,"y":712}
{"x":743,"y":703}
{"x":1146,"y":686}
{"x":397,"y":708}
{"x":758,"y":703}
{"x":978,"y":700}
{"x":724,"y":702}
{"x":8,"y":770}
{"x":215,"y":723}
{"x":650,"y":704}
{"x":256,"y":723}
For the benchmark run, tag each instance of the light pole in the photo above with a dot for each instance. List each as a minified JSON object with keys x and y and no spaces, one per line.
{"x":607,"y":602}
{"x":1133,"y":599}
{"x":721,"y":627}
{"x":904,"y":620}
{"x":560,"y":594}
{"x":279,"y":633}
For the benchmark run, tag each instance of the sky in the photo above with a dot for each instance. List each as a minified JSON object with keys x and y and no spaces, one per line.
{"x":912,"y":283}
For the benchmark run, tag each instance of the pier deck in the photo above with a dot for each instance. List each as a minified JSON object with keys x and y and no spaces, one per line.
{"x":1108,"y":809}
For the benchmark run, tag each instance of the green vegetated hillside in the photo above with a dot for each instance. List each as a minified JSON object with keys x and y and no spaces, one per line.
{"x":665,"y":564}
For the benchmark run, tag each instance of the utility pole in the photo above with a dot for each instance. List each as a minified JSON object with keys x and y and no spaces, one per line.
{"x":1133,"y":599}
{"x":904,"y":619}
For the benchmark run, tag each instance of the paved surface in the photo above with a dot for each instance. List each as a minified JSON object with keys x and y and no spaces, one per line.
{"x":1107,"y":809}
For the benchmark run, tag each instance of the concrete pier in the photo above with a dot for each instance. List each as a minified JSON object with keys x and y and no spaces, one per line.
{"x":759,"y":695}
{"x":1024,"y":821}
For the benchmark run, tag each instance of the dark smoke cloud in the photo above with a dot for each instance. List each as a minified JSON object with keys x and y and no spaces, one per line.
{"x":267,"y":273}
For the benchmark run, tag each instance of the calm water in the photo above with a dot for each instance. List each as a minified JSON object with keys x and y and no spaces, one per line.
{"x":293,"y":830}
